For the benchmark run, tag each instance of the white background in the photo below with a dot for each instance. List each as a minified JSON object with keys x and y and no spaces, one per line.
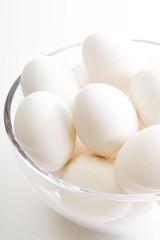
{"x":35,"y":27}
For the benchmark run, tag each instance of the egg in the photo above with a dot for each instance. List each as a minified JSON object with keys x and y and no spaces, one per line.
{"x":110,"y":59}
{"x":104,"y":118}
{"x":43,"y":126}
{"x":80,"y":148}
{"x":81,"y":74}
{"x":94,"y":173}
{"x":145,"y":94}
{"x":49,"y":74}
{"x":137,"y":165}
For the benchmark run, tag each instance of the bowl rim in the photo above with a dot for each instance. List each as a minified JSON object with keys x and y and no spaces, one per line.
{"x":59,"y":182}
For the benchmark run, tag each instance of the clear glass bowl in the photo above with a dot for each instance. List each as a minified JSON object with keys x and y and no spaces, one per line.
{"x":122,"y":216}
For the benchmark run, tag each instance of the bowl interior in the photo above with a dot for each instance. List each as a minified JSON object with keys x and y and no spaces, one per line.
{"x":71,"y":56}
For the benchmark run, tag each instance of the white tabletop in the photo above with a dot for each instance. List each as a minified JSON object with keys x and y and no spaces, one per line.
{"x":35,"y":27}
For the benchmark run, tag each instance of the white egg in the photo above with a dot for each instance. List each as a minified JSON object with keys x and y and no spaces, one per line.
{"x":94,"y":173}
{"x":49,"y":74}
{"x":145,"y":94}
{"x":80,"y":148}
{"x":81,"y":74}
{"x":110,"y":59}
{"x":137,"y":165}
{"x":43,"y":126}
{"x":104,"y":118}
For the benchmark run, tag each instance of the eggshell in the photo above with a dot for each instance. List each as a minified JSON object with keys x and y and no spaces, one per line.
{"x":43,"y":126}
{"x":104,"y":118}
{"x":94,"y":173}
{"x":145,"y":94}
{"x":137,"y":165}
{"x":81,"y":74}
{"x":110,"y":59}
{"x":49,"y":74}
{"x":80,"y":148}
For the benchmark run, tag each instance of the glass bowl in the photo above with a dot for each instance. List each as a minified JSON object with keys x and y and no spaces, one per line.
{"x":122,"y":216}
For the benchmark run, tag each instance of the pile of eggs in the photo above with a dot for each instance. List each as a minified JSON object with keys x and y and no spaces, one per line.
{"x":99,"y":123}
